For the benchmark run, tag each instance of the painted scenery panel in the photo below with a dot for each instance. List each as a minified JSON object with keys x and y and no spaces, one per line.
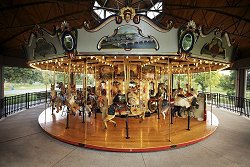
{"x":119,"y":71}
{"x":128,"y":37}
{"x":106,"y":71}
{"x":134,"y":71}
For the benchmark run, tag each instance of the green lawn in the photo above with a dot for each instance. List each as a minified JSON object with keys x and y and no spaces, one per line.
{"x":8,"y":86}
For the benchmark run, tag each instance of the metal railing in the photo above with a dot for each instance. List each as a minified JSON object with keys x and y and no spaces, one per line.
{"x":236,"y":104}
{"x":12,"y":104}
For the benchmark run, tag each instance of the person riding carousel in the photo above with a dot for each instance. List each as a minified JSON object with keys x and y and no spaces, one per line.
{"x":106,"y":115}
{"x":177,"y":106}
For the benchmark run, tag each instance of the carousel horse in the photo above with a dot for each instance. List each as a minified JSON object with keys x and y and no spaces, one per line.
{"x":92,"y":101}
{"x":184,"y":103}
{"x":53,"y":96}
{"x":158,"y":98}
{"x":71,"y":103}
{"x":66,"y":99}
{"x":60,"y":99}
{"x":166,"y":108}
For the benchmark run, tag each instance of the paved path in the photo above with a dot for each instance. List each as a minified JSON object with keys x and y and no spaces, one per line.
{"x":24,"y":144}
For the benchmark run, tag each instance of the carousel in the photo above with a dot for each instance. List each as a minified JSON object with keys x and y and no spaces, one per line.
{"x":133,"y":104}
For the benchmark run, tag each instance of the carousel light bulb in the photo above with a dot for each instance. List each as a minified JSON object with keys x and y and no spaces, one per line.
{"x":219,"y":63}
{"x":103,"y":57}
{"x":80,"y":57}
{"x":163,"y":57}
{"x":126,"y":57}
{"x":151,"y":57}
{"x":115,"y":57}
{"x":175,"y":57}
{"x":194,"y":60}
{"x":139,"y":57}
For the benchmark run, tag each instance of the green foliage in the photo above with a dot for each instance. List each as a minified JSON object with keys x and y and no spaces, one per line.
{"x":248,"y":79}
{"x":204,"y":81}
{"x":227,"y":83}
{"x":22,"y":75}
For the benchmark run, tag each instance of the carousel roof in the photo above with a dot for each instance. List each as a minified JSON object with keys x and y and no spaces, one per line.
{"x":20,"y":18}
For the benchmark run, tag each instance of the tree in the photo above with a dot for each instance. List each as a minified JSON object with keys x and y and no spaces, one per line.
{"x":203,"y":79}
{"x":22,"y":75}
{"x":227,"y":83}
{"x":248,"y":79}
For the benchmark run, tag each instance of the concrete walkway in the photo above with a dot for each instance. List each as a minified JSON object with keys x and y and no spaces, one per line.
{"x":24,"y":144}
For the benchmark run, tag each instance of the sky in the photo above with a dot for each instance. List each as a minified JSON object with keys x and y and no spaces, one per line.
{"x":225,"y":72}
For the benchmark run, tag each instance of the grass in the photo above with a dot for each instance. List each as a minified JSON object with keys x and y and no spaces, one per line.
{"x":8,"y":86}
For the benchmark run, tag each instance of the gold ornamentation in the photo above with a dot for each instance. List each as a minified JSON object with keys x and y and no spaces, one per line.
{"x":127,"y":13}
{"x":191,"y":26}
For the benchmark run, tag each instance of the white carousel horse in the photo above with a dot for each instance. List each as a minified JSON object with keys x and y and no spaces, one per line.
{"x":185,"y":103}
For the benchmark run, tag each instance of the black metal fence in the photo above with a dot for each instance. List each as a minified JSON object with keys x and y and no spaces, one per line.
{"x":13,"y":104}
{"x":236,"y":104}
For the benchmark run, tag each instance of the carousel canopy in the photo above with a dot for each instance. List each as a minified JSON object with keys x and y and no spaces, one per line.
{"x":22,"y":18}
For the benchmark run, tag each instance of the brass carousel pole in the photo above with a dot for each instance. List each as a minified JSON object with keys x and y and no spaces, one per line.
{"x":125,"y":78}
{"x":128,"y":76}
{"x":210,"y":88}
{"x":112,"y":85}
{"x":188,"y":90}
{"x":169,"y":99}
{"x":46,"y":76}
{"x":54,"y":89}
{"x":85,"y":83}
{"x":189,"y":80}
{"x":69,"y":89}
{"x":155,"y":76}
{"x":95,"y":80}
{"x":69,"y":70}
{"x":140,"y":88}
{"x":205,"y":78}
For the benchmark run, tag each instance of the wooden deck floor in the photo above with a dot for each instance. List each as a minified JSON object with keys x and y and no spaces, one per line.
{"x":150,"y":135}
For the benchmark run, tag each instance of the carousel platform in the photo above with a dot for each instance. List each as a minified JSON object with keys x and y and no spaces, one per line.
{"x":152,"y":134}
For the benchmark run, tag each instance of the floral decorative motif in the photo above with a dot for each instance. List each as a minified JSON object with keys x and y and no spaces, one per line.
{"x":191,"y":26}
{"x":65,"y":26}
